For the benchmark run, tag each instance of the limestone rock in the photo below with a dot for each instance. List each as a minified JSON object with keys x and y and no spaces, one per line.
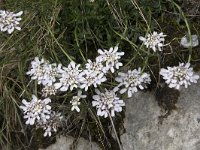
{"x":185,"y":42}
{"x":64,"y":143}
{"x":179,"y":131}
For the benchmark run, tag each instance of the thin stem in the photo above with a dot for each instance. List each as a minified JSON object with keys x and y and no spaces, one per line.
{"x":140,"y":11}
{"x":115,"y":131}
{"x":24,"y":89}
{"x":52,"y":34}
{"x":188,"y":28}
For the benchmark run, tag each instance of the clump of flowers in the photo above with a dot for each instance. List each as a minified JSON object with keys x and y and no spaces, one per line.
{"x":75,"y":101}
{"x":154,"y":41}
{"x":107,"y":102}
{"x":59,"y":78}
{"x":177,"y":76}
{"x":69,"y":77}
{"x":39,"y":112}
{"x":94,"y":74}
{"x":132,"y":80}
{"x":49,"y":90}
{"x":44,"y":72}
{"x":10,"y":21}
{"x":36,"y":110}
{"x":56,"y":77}
{"x":52,"y":124}
{"x":110,"y":58}
{"x":90,"y":77}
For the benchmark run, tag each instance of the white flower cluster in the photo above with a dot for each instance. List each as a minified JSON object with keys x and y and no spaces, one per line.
{"x":59,"y":78}
{"x":39,"y":112}
{"x":9,"y":21}
{"x":177,"y":76}
{"x":69,"y":77}
{"x":95,"y":72}
{"x":107,"y":102}
{"x":36,"y":110}
{"x":132,"y":80}
{"x":45,"y":74}
{"x":56,"y":77}
{"x":92,"y":75}
{"x":52,"y":124}
{"x":110,"y":58}
{"x":75,"y":101}
{"x":49,"y":90}
{"x":154,"y":41}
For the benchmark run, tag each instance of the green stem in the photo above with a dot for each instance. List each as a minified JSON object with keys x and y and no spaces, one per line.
{"x":52,"y":34}
{"x":188,"y":28}
{"x":120,"y":147}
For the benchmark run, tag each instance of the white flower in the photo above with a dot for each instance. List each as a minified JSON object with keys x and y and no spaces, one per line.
{"x":93,"y":75}
{"x":90,"y":77}
{"x":75,"y":101}
{"x":110,"y":58}
{"x":49,"y":90}
{"x":96,"y":66}
{"x":154,"y":41}
{"x":179,"y":75}
{"x":50,"y":74}
{"x":107,"y":102}
{"x":52,"y":124}
{"x":9,"y":21}
{"x":44,"y":72}
{"x":36,"y":110}
{"x":69,"y":77}
{"x":132,"y":80}
{"x":36,"y":71}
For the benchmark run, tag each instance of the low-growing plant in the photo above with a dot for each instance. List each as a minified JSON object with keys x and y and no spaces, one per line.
{"x":67,"y":67}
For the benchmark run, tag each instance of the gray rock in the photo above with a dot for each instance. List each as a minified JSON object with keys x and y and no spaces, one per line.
{"x":179,"y":131}
{"x":64,"y":143}
{"x":185,"y":42}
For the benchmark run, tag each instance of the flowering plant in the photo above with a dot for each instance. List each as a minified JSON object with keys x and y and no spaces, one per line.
{"x":36,"y":110}
{"x":132,"y":80}
{"x":177,"y":76}
{"x":75,"y":101}
{"x":107,"y":102}
{"x":9,"y":21}
{"x":154,"y":41}
{"x":52,"y":124}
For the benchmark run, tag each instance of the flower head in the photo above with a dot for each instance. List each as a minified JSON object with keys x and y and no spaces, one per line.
{"x":52,"y":124}
{"x":90,"y":77}
{"x":75,"y":101}
{"x":50,"y":74}
{"x":69,"y":77}
{"x":107,"y":102}
{"x":179,"y":75}
{"x":154,"y":41}
{"x":49,"y":90}
{"x":132,"y":80}
{"x":36,"y":110}
{"x":110,"y":58}
{"x":96,"y":66}
{"x":36,"y":71}
{"x":9,"y":21}
{"x":44,"y":72}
